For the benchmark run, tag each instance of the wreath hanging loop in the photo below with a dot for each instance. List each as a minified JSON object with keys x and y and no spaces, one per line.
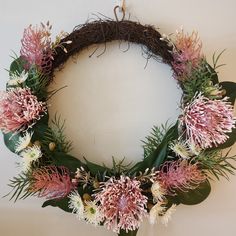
{"x":179,"y":160}
{"x":122,"y":9}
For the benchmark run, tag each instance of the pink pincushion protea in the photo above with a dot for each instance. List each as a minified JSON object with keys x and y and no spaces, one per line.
{"x":19,"y":110}
{"x":36,"y":47}
{"x":51,"y":182}
{"x":122,"y":204}
{"x":179,"y":175}
{"x":207,"y":121}
{"x":187,"y":54}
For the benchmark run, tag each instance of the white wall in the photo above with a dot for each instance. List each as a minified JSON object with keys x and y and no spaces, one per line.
{"x":111,"y":103}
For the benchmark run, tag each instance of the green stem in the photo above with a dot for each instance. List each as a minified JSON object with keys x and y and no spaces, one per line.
{"x":129,"y":233}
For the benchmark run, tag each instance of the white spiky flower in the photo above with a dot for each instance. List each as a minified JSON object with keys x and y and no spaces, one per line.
{"x":155,"y":212}
{"x":30,"y":155}
{"x":23,"y":142}
{"x":157,"y":192}
{"x":181,"y":149}
{"x":166,"y":217}
{"x":17,"y":79}
{"x":92,"y":213}
{"x":194,"y":148}
{"x":76,"y":204}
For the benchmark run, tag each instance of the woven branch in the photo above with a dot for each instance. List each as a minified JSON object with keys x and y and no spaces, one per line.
{"x":102,"y":31}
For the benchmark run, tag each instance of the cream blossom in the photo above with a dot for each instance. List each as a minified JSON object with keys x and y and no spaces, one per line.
{"x":181,"y":149}
{"x":76,"y":204}
{"x":92,"y":213}
{"x":30,"y":155}
{"x":23,"y":141}
{"x":157,"y":192}
{"x":17,"y":79}
{"x":166,"y":217}
{"x":155,"y":212}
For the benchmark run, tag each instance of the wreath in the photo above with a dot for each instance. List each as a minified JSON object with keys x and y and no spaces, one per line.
{"x":179,"y":159}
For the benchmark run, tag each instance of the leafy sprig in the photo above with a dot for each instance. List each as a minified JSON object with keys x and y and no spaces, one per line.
{"x":154,"y":139}
{"x":55,"y":134}
{"x":20,"y":187}
{"x":216,"y":163}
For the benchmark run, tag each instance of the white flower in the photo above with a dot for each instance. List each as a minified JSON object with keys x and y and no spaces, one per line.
{"x":168,"y":214}
{"x":194,"y":149}
{"x":92,"y":214}
{"x":181,"y":149}
{"x":23,"y":142}
{"x":76,"y":204}
{"x":157,"y":192}
{"x":29,"y":155}
{"x":17,"y":79}
{"x":155,"y":212}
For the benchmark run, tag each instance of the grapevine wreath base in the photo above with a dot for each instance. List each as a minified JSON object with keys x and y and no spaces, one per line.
{"x":179,"y":159}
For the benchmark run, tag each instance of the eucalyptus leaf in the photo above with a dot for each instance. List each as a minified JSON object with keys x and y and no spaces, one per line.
{"x":159,"y":155}
{"x":62,"y":159}
{"x":229,"y":142}
{"x":96,"y":169}
{"x":230,"y":88}
{"x":17,"y":66}
{"x":129,"y":233}
{"x":213,"y":74}
{"x":10,"y":140}
{"x":195,"y":196}
{"x":61,"y":203}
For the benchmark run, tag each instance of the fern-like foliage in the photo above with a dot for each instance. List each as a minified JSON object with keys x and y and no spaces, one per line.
{"x":20,"y":187}
{"x":217,"y":163}
{"x":203,"y":79}
{"x":55,"y":134}
{"x":119,"y":167}
{"x":200,"y":80}
{"x":154,"y":139}
{"x":37,"y":83}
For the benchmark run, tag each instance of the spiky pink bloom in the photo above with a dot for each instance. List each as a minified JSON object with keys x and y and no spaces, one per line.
{"x":122,"y":204}
{"x":36,"y":47}
{"x":19,"y":109}
{"x":187,"y":54}
{"x":208,"y":121}
{"x":179,"y":175}
{"x":51,"y":182}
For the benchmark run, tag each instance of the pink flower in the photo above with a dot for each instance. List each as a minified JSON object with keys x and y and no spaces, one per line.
{"x":51,"y":182}
{"x":122,"y":204}
{"x":36,"y":47}
{"x":187,"y":55}
{"x":179,"y":175}
{"x":19,"y":110}
{"x":208,"y":121}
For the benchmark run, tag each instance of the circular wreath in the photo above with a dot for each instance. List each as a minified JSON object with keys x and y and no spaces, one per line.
{"x":179,"y":159}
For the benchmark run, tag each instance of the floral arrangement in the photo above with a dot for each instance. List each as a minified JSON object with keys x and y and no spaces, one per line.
{"x":179,"y":160}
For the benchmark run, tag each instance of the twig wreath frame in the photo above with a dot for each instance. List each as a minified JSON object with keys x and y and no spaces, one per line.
{"x":179,"y":160}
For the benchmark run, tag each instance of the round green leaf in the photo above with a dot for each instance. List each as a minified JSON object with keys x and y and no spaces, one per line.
{"x":195,"y":196}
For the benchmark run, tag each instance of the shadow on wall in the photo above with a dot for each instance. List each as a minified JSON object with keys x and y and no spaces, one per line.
{"x":50,"y":222}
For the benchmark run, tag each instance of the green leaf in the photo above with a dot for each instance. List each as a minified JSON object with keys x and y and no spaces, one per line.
{"x":229,"y":142}
{"x":62,"y":204}
{"x":230,"y":88}
{"x":17,"y":66}
{"x":129,"y":233}
{"x":156,"y":158}
{"x":40,"y":128}
{"x":95,"y":168}
{"x":212,"y":73}
{"x":10,"y":140}
{"x":172,"y":200}
{"x":62,"y":159}
{"x":195,"y":196}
